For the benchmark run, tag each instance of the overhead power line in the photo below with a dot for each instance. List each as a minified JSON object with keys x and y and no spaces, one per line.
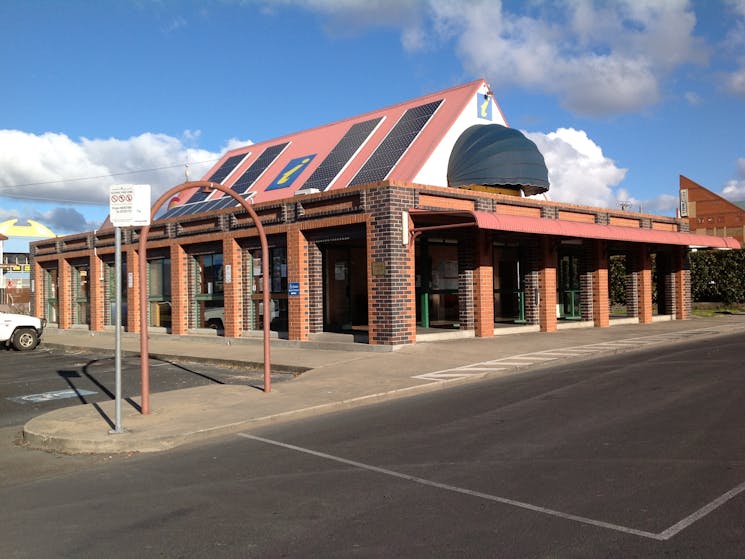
{"x":103,"y":176}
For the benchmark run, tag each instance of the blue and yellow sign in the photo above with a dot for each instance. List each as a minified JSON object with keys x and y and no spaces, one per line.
{"x":291,"y":171}
{"x":483,"y":106}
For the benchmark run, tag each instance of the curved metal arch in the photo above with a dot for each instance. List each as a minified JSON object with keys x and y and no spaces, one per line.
{"x":142,"y":264}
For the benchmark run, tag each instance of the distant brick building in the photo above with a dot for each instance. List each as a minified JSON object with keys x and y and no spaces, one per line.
{"x":392,"y":225}
{"x":710,"y":214}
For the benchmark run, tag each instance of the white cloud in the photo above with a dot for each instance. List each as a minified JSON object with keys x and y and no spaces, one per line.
{"x":735,"y":82}
{"x":738,"y":6}
{"x":578,"y":170}
{"x":735,"y":188}
{"x":54,"y":167}
{"x":692,"y":98}
{"x":598,"y":58}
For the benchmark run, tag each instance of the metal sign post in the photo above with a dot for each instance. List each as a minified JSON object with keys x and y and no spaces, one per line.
{"x":129,"y":205}
{"x":118,"y":331}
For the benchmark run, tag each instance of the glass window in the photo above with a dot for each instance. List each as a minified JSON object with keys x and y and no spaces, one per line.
{"x":159,"y":292}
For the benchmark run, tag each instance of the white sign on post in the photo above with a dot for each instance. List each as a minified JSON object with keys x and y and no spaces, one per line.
{"x":129,"y":205}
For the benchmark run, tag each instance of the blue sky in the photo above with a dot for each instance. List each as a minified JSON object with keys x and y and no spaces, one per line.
{"x":620,"y":96}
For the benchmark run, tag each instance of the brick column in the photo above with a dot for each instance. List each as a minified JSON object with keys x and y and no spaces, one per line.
{"x":37,"y":294}
{"x":681,"y":283}
{"x":298,"y":327}
{"x":133,"y":291}
{"x":96,"y":292}
{"x":180,"y":279}
{"x":600,"y":303}
{"x":232,"y":256}
{"x":483,"y":286}
{"x":315,"y":288}
{"x":466,"y":283}
{"x":643,"y":272}
{"x":64,"y":294}
{"x":547,"y":285}
{"x":587,"y":281}
{"x":390,"y":269}
{"x":533,"y":266}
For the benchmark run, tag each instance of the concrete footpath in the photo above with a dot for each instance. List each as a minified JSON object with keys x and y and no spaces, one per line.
{"x":337,"y":374}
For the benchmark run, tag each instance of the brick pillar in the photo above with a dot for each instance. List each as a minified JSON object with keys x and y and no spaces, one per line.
{"x":466,"y":297}
{"x":298,"y":327}
{"x":682,"y":283}
{"x":390,"y":270}
{"x":232,"y":256}
{"x":315,"y":288}
{"x":483,"y":286}
{"x":600,"y":302}
{"x":37,"y":292}
{"x":547,"y":285}
{"x":533,"y":265}
{"x":179,"y":290}
{"x":64,"y":294}
{"x":96,"y":292}
{"x":133,"y":291}
{"x":587,"y":281}
{"x":643,"y":272}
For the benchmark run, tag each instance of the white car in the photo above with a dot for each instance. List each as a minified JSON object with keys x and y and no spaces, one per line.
{"x":21,"y":331}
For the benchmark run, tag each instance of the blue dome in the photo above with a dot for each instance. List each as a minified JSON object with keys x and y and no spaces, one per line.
{"x":494,"y":155}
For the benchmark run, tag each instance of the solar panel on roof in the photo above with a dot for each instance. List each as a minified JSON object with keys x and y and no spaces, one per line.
{"x":218,"y":176}
{"x":337,"y":159}
{"x":398,"y":140}
{"x":256,"y":168}
{"x":178,"y":210}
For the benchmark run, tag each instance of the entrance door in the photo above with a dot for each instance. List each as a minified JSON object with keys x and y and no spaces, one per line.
{"x":568,"y":295}
{"x":437,"y":283}
{"x":509,"y":295}
{"x":344,"y":288}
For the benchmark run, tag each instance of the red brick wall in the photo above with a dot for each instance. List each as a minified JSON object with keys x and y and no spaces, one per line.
{"x":179,"y":286}
{"x":547,"y":285}
{"x":600,"y":302}
{"x":96,"y":294}
{"x":483,"y":291}
{"x":64,"y":293}
{"x":642,"y":263}
{"x":133,"y":293}
{"x":297,"y":271}
{"x":233,"y":291}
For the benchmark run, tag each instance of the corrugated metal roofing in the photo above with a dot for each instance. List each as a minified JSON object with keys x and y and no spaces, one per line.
{"x":572,"y":229}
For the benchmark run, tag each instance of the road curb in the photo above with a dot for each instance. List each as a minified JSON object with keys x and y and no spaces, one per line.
{"x":231,"y":363}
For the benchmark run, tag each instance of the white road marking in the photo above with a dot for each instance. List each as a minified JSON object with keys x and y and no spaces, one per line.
{"x":53,"y":395}
{"x":461,"y":490}
{"x":529,"y":359}
{"x":702,"y":512}
{"x":661,"y":536}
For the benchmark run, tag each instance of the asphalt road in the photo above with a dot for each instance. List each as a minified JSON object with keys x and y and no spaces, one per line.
{"x":36,"y":382}
{"x":638,"y":455}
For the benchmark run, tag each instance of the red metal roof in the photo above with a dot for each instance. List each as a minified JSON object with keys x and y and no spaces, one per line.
{"x":320,"y":141}
{"x":561,"y":228}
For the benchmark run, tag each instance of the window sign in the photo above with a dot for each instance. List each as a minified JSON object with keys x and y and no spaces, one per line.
{"x":483,"y":106}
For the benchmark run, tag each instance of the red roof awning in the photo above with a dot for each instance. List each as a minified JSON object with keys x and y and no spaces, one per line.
{"x":562,"y":228}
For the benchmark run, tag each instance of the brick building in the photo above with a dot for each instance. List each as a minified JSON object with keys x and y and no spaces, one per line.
{"x":710,"y":214}
{"x":393,"y":225}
